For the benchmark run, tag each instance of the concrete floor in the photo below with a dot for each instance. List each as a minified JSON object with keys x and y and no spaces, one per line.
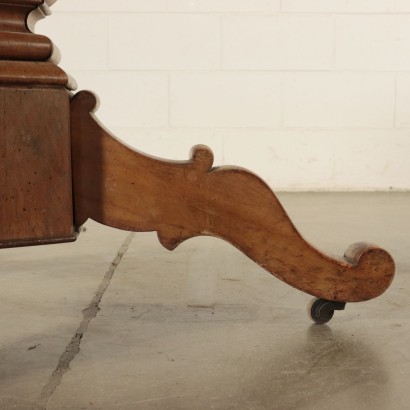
{"x":114,"y":321}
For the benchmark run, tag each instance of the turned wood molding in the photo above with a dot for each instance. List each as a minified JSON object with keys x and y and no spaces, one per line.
{"x":27,"y":58}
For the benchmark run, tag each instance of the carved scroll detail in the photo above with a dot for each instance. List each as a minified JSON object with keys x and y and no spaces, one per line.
{"x":123,"y":188}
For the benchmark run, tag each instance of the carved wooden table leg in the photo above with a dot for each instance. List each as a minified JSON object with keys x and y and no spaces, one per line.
{"x":123,"y":188}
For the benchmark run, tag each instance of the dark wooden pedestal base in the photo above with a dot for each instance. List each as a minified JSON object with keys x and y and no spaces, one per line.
{"x":35,"y":167}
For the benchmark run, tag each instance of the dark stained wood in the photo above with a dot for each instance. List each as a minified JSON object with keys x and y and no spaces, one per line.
{"x":36,"y":205}
{"x":20,"y":16}
{"x":27,"y":58}
{"x":34,"y":3}
{"x":34,"y":73}
{"x":35,"y":178}
{"x":3,"y":164}
{"x":120,"y":187}
{"x":13,"y":17}
{"x":27,"y":46}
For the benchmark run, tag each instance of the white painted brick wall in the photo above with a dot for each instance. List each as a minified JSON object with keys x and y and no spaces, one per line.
{"x":164,"y":42}
{"x":232,"y":6}
{"x":244,"y":100}
{"x":101,"y":6}
{"x":403,"y":100}
{"x":339,"y":100}
{"x":128,"y":99}
{"x":375,"y":42}
{"x":68,"y":31}
{"x":339,"y":6}
{"x":310,"y":94}
{"x":278,"y":42}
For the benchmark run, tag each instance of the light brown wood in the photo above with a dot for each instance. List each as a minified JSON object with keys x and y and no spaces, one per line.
{"x":120,"y":187}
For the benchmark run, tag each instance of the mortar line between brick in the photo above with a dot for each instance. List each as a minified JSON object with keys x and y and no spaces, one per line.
{"x":89,"y":313}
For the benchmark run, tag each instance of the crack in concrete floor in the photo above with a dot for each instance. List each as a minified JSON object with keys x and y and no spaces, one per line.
{"x":89,"y":313}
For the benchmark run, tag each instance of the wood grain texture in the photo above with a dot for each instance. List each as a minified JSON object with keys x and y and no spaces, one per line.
{"x":27,"y":58}
{"x":34,"y":73}
{"x":34,"y":3}
{"x":35,"y":167}
{"x":17,"y":46}
{"x":120,"y":187}
{"x":21,"y":15}
{"x":14,"y":17}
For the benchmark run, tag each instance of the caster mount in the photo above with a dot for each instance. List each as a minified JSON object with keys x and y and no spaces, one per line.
{"x":321,"y":310}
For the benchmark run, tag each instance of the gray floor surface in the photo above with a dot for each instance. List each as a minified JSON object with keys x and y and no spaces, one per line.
{"x":114,"y":321}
